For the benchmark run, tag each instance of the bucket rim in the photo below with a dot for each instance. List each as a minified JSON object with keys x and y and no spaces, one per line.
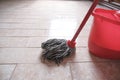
{"x":116,"y":21}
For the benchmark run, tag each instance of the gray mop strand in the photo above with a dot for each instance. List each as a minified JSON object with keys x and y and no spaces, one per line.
{"x":56,"y":50}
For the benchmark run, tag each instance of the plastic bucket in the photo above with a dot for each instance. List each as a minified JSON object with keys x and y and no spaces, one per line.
{"x":104,"y":39}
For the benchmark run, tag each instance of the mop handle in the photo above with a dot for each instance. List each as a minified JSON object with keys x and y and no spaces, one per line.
{"x":85,"y":20}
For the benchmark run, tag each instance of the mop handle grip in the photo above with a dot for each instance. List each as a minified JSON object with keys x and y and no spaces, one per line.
{"x":85,"y":20}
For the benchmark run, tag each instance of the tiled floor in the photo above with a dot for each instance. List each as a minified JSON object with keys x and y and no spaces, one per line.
{"x":24,"y":24}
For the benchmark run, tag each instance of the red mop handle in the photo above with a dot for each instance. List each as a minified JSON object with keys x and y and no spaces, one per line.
{"x":85,"y":20}
{"x":72,"y":42}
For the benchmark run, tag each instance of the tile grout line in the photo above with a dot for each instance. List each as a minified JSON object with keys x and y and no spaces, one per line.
{"x":13,"y":72}
{"x":20,"y":47}
{"x":71,"y":71}
{"x":40,"y":47}
{"x":31,"y":29}
{"x":40,"y":36}
{"x":8,"y":63}
{"x":68,"y":62}
{"x":94,"y":61}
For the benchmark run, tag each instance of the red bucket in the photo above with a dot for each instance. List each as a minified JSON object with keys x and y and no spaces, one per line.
{"x":104,"y":39}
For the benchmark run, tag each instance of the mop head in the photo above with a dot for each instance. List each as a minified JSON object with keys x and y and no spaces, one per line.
{"x":56,"y":50}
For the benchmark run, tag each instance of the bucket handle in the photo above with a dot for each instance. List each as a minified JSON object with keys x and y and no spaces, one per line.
{"x":117,"y":15}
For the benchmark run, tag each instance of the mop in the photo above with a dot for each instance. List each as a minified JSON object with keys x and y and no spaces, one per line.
{"x":56,"y":50}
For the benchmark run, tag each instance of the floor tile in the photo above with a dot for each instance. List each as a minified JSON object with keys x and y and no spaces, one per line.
{"x":32,"y":55}
{"x":20,"y":20}
{"x":40,"y":25}
{"x":82,"y":41}
{"x":24,"y":33}
{"x":37,"y":41}
{"x":13,"y":41}
{"x":96,"y":71}
{"x":20,"y":55}
{"x":35,"y":33}
{"x":82,"y":54}
{"x":33,"y":41}
{"x":6,"y":71}
{"x":41,"y":72}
